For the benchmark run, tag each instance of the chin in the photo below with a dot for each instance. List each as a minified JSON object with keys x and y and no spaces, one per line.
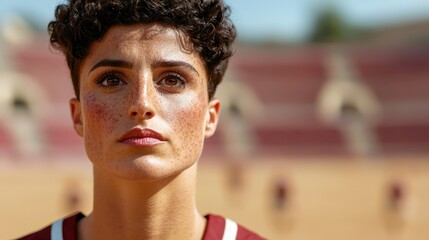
{"x":149,"y":169}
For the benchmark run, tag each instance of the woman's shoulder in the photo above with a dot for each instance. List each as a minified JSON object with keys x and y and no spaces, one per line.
{"x":219,"y":227}
{"x":64,"y":228}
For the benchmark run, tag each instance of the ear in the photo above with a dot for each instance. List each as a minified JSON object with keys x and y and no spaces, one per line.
{"x":76,"y":114}
{"x":212,"y":117}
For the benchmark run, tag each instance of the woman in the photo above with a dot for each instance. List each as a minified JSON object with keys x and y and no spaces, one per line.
{"x":144,"y":74}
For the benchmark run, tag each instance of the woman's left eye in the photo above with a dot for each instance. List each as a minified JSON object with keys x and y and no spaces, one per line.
{"x":172,"y":80}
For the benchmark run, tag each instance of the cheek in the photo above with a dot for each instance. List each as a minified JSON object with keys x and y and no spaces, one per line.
{"x":188,"y":119}
{"x":100,"y":116}
{"x":191,"y":119}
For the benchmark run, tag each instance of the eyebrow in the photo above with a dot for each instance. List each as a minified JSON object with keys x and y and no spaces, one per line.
{"x":111,"y":63}
{"x":129,"y":65}
{"x":173,"y":63}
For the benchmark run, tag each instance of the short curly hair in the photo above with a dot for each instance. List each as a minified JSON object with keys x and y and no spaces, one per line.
{"x":206,"y":23}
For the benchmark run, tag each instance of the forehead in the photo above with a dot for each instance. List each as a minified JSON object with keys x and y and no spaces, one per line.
{"x":143,"y":40}
{"x":142,"y":33}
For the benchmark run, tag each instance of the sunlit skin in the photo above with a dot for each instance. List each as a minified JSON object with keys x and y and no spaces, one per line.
{"x":143,"y":112}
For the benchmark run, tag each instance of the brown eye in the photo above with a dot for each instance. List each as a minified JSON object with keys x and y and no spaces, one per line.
{"x":110,"y":80}
{"x":172,"y":80}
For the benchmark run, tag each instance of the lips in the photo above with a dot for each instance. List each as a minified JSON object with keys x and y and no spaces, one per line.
{"x":142,"y":137}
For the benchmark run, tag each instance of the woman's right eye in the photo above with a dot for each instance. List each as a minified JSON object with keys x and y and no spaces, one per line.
{"x":110,"y":80}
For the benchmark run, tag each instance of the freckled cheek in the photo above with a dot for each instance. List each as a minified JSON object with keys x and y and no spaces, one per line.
{"x":187,"y":122}
{"x":100,"y":116}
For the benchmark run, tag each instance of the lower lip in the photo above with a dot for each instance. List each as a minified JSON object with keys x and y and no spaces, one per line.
{"x":143,"y":142}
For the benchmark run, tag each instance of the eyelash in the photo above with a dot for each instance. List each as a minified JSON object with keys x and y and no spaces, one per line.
{"x":104,"y":76}
{"x":182,"y":80}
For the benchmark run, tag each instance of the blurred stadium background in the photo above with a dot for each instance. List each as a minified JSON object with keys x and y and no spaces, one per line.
{"x":324,"y":134}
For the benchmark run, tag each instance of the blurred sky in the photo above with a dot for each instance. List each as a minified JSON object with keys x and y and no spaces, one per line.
{"x":289,"y":20}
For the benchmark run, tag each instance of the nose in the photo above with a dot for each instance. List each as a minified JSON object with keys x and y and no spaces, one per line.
{"x":142,"y":101}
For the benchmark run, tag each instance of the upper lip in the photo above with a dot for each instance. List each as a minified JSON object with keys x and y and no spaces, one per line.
{"x":142,"y":133}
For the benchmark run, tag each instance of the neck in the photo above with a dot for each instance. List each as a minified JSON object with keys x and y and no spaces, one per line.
{"x":131,"y":209}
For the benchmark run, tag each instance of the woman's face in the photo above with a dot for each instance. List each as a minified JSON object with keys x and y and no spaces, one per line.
{"x":143,"y":109}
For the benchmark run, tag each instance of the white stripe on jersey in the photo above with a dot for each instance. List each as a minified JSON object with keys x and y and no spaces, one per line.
{"x":230,"y":232}
{"x":57,"y":230}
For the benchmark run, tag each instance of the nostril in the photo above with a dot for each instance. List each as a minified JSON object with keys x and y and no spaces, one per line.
{"x":145,"y":115}
{"x":149,"y":114}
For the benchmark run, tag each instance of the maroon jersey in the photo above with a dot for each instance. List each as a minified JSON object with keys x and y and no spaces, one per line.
{"x":217,"y":228}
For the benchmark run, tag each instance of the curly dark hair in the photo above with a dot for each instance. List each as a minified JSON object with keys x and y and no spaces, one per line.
{"x":206,"y":23}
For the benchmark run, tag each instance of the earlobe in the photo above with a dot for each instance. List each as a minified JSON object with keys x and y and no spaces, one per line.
{"x":76,"y":114}
{"x":212,"y":117}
